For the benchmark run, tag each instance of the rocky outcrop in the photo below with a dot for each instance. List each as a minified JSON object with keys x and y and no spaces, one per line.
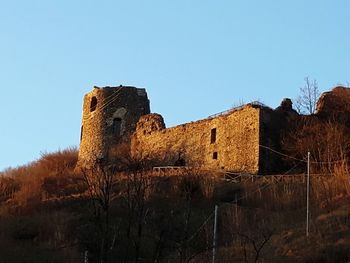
{"x":335,"y":105}
{"x":336,"y":100}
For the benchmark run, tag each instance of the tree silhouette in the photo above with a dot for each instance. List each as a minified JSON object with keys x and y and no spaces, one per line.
{"x":307,"y":99}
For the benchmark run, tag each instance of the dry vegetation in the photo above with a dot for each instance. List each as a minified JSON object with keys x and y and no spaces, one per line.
{"x":130,"y":213}
{"x":32,"y":183}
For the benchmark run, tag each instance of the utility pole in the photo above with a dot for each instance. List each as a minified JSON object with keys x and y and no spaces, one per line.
{"x":215,"y":230}
{"x":307,"y":194}
{"x":236,"y":210}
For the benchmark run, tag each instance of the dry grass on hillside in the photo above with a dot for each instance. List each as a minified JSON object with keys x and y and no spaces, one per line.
{"x":164,"y":218}
{"x":31,"y":183}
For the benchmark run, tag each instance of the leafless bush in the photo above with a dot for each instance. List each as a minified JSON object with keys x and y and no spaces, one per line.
{"x":8,"y":187}
{"x":342,"y":176}
{"x":29,"y":178}
{"x":59,"y":162}
{"x":328,"y":190}
{"x":327,"y":141}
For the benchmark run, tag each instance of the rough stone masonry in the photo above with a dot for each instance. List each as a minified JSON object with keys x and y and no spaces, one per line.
{"x":230,"y":141}
{"x":110,"y":115}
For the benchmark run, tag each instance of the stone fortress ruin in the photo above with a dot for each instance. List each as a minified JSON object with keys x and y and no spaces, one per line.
{"x":236,"y":140}
{"x":109,"y":118}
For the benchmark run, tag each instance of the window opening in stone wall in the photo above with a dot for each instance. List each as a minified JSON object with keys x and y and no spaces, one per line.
{"x":81,"y":132}
{"x":215,"y":155}
{"x":213,"y":135}
{"x":93,"y":104}
{"x":117,"y":122}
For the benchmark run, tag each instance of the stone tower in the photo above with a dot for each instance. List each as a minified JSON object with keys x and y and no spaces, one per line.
{"x":109,"y":117}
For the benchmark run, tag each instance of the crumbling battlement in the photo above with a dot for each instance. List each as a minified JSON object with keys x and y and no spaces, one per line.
{"x":150,"y":123}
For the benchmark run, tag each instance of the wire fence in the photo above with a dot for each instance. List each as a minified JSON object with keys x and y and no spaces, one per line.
{"x":263,"y":183}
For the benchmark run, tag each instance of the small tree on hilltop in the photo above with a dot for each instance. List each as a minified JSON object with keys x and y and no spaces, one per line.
{"x":307,"y":100}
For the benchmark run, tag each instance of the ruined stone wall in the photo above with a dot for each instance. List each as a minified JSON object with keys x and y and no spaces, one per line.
{"x":110,"y":115}
{"x":234,"y":148}
{"x":231,"y":141}
{"x":271,"y":125}
{"x":274,"y":126}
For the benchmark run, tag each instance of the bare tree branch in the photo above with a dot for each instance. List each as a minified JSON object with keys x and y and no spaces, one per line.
{"x":309,"y":94}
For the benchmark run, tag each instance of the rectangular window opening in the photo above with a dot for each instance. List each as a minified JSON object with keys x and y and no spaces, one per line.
{"x":215,"y":155}
{"x":81,"y":132}
{"x":213,"y":135}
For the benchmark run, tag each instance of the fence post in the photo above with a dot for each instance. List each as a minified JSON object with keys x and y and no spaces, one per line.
{"x":215,"y":233}
{"x":308,"y":194}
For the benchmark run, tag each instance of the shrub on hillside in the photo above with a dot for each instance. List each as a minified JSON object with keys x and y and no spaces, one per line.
{"x":25,"y":183}
{"x":60,"y":162}
{"x":327,"y":141}
{"x":8,"y":187}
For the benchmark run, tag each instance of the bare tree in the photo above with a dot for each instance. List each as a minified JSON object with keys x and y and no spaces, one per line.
{"x":138,"y":184}
{"x":100,"y":180}
{"x":256,"y":241}
{"x":309,"y":94}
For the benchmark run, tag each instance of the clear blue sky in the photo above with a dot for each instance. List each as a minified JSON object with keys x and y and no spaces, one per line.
{"x":195,"y":57}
